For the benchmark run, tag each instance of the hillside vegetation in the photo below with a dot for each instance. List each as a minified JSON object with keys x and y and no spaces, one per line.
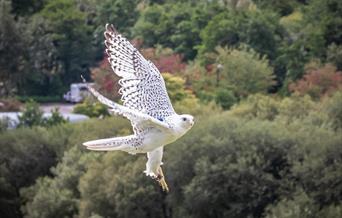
{"x":262,"y":79}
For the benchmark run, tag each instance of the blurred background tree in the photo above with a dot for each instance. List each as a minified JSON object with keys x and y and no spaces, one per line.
{"x":261,"y":77}
{"x":12,"y":51}
{"x":244,"y":71}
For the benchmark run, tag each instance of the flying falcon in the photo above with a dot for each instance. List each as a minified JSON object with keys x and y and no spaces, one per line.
{"x":145,"y":103}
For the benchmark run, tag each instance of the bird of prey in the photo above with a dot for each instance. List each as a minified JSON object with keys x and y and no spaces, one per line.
{"x":145,"y":103}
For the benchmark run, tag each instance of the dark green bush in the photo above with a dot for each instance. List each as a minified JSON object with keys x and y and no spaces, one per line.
{"x":28,"y":153}
{"x":225,"y":98}
{"x":40,"y":99}
{"x":228,"y":167}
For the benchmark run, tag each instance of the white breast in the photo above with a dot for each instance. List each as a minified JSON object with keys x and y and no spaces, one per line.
{"x":155,"y":138}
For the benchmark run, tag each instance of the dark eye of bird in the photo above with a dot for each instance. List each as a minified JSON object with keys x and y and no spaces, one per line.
{"x":184,"y":119}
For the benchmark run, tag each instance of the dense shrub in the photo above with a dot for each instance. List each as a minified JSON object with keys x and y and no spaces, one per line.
{"x":33,"y":116}
{"x":40,"y":99}
{"x":333,"y":108}
{"x":91,"y":109}
{"x":28,"y":153}
{"x":260,"y":30}
{"x":244,"y":70}
{"x":225,"y":98}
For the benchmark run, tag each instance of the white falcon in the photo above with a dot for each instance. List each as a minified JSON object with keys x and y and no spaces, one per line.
{"x":145,"y":103}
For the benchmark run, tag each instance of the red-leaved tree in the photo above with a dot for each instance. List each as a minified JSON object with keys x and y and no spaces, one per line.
{"x":164,"y":59}
{"x":106,"y":80}
{"x":318,"y":82}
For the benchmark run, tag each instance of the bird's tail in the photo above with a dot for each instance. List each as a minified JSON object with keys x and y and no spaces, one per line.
{"x":129,"y":144}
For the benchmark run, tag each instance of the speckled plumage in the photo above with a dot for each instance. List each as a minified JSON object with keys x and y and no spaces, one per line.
{"x":145,"y":103}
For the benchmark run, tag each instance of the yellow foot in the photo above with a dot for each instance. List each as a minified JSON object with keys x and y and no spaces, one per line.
{"x":161,"y":180}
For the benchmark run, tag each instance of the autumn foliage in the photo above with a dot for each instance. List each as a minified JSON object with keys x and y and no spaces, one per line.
{"x":165,"y":59}
{"x":318,"y":82}
{"x":106,"y":80}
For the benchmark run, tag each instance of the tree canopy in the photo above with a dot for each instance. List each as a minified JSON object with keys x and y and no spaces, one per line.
{"x":263,"y":80}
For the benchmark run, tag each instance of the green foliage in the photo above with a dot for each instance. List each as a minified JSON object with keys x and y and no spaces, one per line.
{"x":268,"y":156}
{"x":57,"y":197}
{"x":121,"y":13}
{"x":45,"y":66}
{"x":28,"y":153}
{"x":125,"y":191}
{"x":31,"y":116}
{"x":25,"y":154}
{"x":225,"y":98}
{"x":40,"y":99}
{"x":63,"y":203}
{"x":314,"y":33}
{"x":4,"y":124}
{"x":175,"y":87}
{"x":271,"y":108}
{"x":300,"y":206}
{"x":244,"y":70}
{"x":283,"y":7}
{"x":12,"y":51}
{"x":237,"y":165}
{"x":175,"y":25}
{"x":183,"y":99}
{"x":241,"y":165}
{"x":334,"y":55}
{"x":259,"y":30}
{"x":71,"y":36}
{"x":27,"y":7}
{"x":333,"y":108}
{"x":328,"y":21}
{"x":55,"y":118}
{"x":91,"y":109}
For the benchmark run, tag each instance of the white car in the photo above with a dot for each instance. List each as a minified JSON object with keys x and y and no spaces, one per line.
{"x":77,"y":93}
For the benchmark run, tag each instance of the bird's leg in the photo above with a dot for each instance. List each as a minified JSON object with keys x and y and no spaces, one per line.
{"x":161,"y":180}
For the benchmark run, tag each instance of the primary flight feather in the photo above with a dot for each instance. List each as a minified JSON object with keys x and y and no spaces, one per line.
{"x":145,"y":103}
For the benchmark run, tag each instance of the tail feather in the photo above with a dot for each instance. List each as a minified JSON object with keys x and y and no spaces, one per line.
{"x":128,"y":143}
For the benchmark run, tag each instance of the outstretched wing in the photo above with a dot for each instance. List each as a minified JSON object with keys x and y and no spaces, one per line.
{"x":142,"y":86}
{"x":139,"y":120}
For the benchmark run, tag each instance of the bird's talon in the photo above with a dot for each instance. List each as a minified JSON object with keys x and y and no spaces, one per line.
{"x":159,"y":177}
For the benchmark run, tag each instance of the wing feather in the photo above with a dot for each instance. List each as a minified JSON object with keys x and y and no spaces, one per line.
{"x":129,"y":144}
{"x":142,"y":86}
{"x":139,"y":120}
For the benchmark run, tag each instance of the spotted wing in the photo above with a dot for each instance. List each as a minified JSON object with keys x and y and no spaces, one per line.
{"x":142,"y":86}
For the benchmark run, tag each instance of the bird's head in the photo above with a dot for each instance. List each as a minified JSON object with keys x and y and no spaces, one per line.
{"x":186,"y":121}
